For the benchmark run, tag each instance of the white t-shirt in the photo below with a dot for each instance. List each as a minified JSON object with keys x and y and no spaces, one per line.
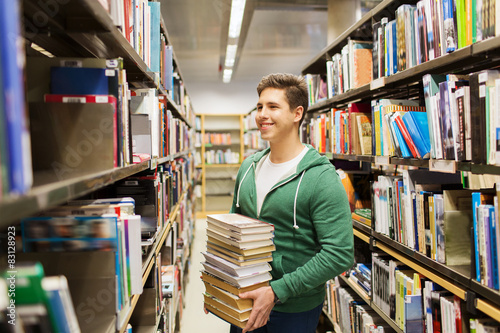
{"x":271,"y":173}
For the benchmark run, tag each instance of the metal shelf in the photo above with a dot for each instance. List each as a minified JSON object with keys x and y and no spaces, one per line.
{"x":52,"y":194}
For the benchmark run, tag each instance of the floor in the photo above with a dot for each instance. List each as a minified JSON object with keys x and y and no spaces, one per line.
{"x":194,"y":318}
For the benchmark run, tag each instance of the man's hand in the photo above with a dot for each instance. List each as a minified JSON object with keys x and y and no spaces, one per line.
{"x":263,"y":303}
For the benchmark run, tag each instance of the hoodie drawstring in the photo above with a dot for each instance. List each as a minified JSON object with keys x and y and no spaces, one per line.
{"x":295,"y":202}
{"x":239,"y":187}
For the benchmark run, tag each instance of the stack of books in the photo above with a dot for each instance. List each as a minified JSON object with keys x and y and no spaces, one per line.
{"x":239,"y":250}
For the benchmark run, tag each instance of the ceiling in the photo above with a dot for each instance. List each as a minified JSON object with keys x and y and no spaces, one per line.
{"x":281,"y":36}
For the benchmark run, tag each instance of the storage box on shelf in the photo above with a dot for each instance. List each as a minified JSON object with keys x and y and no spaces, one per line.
{"x":450,"y":87}
{"x":94,"y":54}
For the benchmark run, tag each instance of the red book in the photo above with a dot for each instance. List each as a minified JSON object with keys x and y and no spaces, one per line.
{"x":56,"y":98}
{"x":406,"y":136}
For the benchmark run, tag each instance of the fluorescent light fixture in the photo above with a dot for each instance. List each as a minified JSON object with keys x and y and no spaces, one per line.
{"x":235,"y":22}
{"x":230,"y":55}
{"x":226,"y":78}
{"x":236,"y":18}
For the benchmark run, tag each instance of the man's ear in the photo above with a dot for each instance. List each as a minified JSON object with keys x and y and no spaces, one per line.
{"x":299,"y":110}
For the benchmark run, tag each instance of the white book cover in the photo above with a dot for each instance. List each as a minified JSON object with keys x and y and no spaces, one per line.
{"x":235,"y":270}
{"x":240,"y":282}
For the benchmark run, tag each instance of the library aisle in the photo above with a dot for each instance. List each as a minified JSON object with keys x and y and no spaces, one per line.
{"x":193,"y":317}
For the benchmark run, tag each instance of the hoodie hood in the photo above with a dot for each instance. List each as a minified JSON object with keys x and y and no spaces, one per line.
{"x":310,"y":160}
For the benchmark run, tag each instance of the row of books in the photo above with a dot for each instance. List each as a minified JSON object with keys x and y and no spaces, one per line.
{"x":460,"y":112}
{"x":237,"y":258}
{"x":253,"y":140}
{"x":412,"y":301}
{"x":418,"y":33}
{"x":106,"y":225}
{"x":222,"y":156}
{"x":420,"y":208}
{"x":249,"y":121}
{"x":217,"y":138}
{"x":161,"y":134}
{"x":350,"y":69}
{"x":464,"y":110}
{"x":80,"y":108}
{"x":430,"y":213}
{"x":140,"y":23}
{"x":350,"y":312}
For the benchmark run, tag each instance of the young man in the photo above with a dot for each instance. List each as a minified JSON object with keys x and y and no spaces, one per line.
{"x":297,"y":190}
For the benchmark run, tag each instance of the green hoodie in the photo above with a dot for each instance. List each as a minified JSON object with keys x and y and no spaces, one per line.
{"x":312,"y":227}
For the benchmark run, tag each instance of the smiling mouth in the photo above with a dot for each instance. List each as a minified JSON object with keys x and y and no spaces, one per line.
{"x":265,"y":126}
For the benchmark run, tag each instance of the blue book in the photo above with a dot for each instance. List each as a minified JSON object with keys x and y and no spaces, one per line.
{"x":79,"y":81}
{"x":414,"y":314}
{"x":13,"y":99}
{"x":450,"y":35}
{"x":60,"y":304}
{"x":75,"y":233}
{"x":476,"y":201}
{"x":493,"y":247}
{"x":394,"y":50}
{"x":403,"y":146}
{"x":417,"y":125}
{"x":155,"y":42}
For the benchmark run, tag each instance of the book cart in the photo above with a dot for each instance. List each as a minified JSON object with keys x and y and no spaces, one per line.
{"x":85,"y":29}
{"x":407,"y":84}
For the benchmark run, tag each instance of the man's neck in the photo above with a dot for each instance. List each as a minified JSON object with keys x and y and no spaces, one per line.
{"x":282,"y":152}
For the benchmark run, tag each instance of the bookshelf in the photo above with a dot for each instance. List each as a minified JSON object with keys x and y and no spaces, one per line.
{"x":86,"y":30}
{"x":478,"y":300}
{"x":222,"y":149}
{"x":253,"y":141}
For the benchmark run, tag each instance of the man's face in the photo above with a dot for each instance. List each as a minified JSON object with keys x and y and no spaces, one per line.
{"x":274,"y":118}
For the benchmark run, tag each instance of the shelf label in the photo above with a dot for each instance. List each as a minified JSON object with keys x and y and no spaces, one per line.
{"x":378,"y":83}
{"x":382,"y":160}
{"x":153,"y":163}
{"x":448,"y":166}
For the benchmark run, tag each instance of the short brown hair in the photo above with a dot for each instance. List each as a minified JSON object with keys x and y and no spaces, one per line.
{"x":295,"y":88}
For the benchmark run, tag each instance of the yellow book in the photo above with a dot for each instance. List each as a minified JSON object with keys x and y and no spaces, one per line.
{"x":224,"y":316}
{"x":233,"y":300}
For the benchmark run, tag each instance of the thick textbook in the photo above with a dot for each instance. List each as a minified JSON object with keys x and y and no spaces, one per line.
{"x":240,"y":282}
{"x":224,"y":285}
{"x":240,"y":315}
{"x":225,"y":316}
{"x":240,"y":223}
{"x":235,"y":270}
{"x":231,"y":299}
{"x":244,"y":245}
{"x":237,"y":259}
{"x":246,"y":237}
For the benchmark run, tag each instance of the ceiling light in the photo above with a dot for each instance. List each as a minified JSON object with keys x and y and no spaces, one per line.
{"x":236,"y":18}
{"x":230,"y":55}
{"x":226,"y":78}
